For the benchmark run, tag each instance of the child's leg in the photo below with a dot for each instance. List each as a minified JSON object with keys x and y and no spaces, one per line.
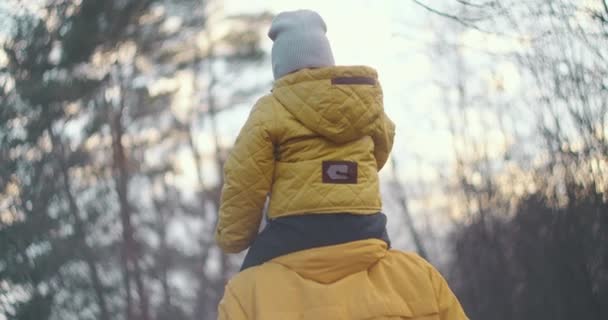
{"x":290,"y":234}
{"x":272,"y":242}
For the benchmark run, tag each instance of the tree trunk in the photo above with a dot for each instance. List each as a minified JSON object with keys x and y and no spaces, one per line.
{"x":161,"y":229}
{"x":79,"y":228}
{"x":130,"y":248}
{"x":126,"y":279}
{"x":219,"y":161}
{"x":406,"y":214}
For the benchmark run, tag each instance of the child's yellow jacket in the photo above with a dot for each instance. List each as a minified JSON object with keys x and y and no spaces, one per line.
{"x":355,"y":280}
{"x":315,"y":145}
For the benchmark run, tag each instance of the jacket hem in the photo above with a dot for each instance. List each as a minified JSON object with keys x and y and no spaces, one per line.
{"x":356,"y":210}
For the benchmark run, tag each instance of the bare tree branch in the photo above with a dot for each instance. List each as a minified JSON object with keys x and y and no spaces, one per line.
{"x":467,"y":22}
{"x":476,"y":5}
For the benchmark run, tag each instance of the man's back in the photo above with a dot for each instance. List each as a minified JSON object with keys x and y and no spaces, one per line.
{"x":355,"y":280}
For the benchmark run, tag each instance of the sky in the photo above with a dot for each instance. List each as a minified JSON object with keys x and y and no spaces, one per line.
{"x":390,"y":36}
{"x":394,"y":36}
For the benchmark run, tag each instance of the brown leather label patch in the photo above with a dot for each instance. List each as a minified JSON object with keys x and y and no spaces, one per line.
{"x":340,"y":172}
{"x":354,"y":80}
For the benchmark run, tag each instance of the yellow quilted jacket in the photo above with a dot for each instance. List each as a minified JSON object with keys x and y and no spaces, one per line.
{"x":355,"y":281}
{"x":315,"y":145}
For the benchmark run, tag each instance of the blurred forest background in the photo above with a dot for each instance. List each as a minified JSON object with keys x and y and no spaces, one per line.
{"x":103,"y":106}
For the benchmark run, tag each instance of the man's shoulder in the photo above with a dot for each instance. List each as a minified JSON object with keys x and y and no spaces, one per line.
{"x":407,"y":264}
{"x":408,"y":257}
{"x":248,"y":277}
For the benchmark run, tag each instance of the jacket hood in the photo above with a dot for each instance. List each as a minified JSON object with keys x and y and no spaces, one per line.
{"x":332,"y":263}
{"x":342,"y":103}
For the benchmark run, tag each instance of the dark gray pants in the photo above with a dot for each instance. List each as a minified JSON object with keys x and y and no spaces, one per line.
{"x":290,"y":234}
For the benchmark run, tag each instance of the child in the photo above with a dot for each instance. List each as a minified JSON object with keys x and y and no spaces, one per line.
{"x":314,"y":145}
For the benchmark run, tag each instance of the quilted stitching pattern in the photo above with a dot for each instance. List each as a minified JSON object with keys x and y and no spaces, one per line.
{"x":309,"y":120}
{"x":339,"y":113}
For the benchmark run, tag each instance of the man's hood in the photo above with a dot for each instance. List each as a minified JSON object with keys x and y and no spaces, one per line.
{"x":341,"y":103}
{"x":332,"y":263}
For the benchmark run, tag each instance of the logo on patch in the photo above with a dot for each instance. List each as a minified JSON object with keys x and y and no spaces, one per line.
{"x":340,"y":172}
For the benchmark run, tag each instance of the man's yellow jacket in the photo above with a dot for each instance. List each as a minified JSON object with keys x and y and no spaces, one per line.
{"x":360,"y":280}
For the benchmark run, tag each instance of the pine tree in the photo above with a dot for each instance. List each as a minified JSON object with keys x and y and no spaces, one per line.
{"x":87,"y":194}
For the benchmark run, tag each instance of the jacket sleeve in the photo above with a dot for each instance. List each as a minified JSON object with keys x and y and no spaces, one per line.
{"x":248,"y":173}
{"x":230,"y":307}
{"x":383,"y":140}
{"x":449,"y":306}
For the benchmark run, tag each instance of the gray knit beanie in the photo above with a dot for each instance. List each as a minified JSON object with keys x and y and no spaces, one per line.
{"x":299,"y":42}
